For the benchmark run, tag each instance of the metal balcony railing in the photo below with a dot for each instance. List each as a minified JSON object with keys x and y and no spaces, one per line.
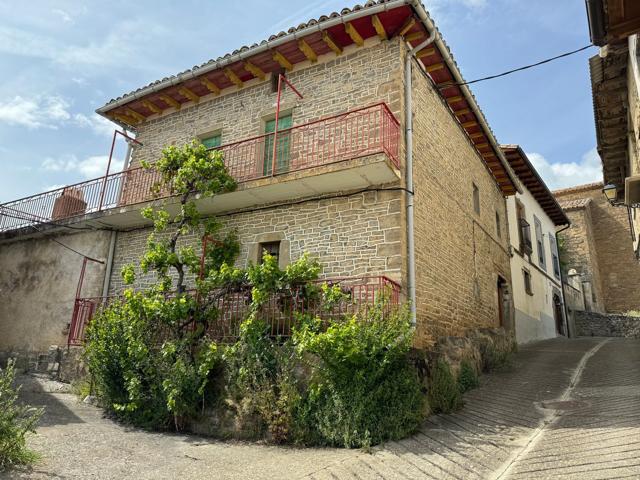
{"x":279,"y":312}
{"x":350,"y":135}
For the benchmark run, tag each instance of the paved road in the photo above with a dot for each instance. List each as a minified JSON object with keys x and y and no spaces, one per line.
{"x":568,"y":409}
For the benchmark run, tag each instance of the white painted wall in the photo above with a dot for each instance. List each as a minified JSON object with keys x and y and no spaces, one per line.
{"x":533,"y":312}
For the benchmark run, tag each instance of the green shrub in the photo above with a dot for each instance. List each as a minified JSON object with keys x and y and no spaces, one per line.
{"x":363,"y":389}
{"x":444,"y":393}
{"x":468,"y":377}
{"x":16,"y":421}
{"x":496,"y":358}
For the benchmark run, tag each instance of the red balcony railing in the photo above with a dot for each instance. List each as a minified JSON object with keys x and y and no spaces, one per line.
{"x":350,"y":135}
{"x":279,"y":312}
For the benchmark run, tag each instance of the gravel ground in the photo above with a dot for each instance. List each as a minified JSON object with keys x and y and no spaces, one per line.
{"x":567,"y":409}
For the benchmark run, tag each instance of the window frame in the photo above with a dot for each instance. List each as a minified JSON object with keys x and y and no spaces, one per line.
{"x":476,"y":198}
{"x":528,"y":285}
{"x":542,"y":255}
{"x":208,"y":136}
{"x":555,"y":256}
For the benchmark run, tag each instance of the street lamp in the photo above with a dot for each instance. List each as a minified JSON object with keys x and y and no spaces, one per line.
{"x":611,"y":192}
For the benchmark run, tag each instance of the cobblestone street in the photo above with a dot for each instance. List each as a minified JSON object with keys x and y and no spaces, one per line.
{"x":567,"y":409}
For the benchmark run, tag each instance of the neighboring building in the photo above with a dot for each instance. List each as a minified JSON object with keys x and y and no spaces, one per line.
{"x":533,"y":218}
{"x":615,"y":80}
{"x":596,"y":251}
{"x":339,"y":187}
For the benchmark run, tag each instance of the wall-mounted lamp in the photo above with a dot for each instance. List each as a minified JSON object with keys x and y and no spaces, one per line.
{"x":611,"y":192}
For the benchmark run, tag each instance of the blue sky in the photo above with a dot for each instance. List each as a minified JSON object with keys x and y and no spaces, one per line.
{"x":62,"y":59}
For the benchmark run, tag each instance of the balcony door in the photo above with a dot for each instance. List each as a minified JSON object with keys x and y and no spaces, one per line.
{"x":283,"y":148}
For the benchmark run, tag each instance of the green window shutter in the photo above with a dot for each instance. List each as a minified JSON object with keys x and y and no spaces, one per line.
{"x":213,"y":141}
{"x":282,"y":152}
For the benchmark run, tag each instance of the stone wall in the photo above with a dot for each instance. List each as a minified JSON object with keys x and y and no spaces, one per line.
{"x":616,"y":265}
{"x":38,"y":281}
{"x":354,"y":235}
{"x":357,"y":78}
{"x":593,"y":324}
{"x":459,"y":255}
{"x":581,"y":255}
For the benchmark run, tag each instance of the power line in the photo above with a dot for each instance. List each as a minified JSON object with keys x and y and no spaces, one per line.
{"x":51,"y":238}
{"x":519,"y":69}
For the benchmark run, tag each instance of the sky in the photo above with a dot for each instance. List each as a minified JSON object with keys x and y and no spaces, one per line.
{"x":63,"y":59}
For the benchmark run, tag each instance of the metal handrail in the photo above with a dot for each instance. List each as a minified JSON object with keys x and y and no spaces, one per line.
{"x":348,"y":135}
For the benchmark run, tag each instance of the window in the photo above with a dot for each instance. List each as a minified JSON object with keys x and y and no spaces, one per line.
{"x":524,"y":229}
{"x":542,"y":260}
{"x":555,"y":258}
{"x":476,"y":199}
{"x":498,"y":225}
{"x":282,"y":151}
{"x":527,"y":281}
{"x":272,"y":248}
{"x":212,"y":141}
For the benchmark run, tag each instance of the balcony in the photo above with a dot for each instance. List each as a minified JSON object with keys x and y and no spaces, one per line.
{"x":279,"y":312}
{"x":352,"y":150}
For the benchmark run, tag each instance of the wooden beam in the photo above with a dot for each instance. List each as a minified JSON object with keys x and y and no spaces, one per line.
{"x":434,"y":68}
{"x":134,"y":114}
{"x":255,"y":70}
{"x":353,"y":33}
{"x":212,"y":87}
{"x":185,"y":92}
{"x":308,"y":51}
{"x":482,"y":145}
{"x":377,"y":24}
{"x":474,"y":136}
{"x":281,"y":59}
{"x":426,"y":52}
{"x":151,"y":106}
{"x":408,"y":24}
{"x":231,"y":75}
{"x":457,"y":98}
{"x":463,"y":111}
{"x":414,"y":36}
{"x":331,"y":43}
{"x":470,"y":124}
{"x":172,"y":102}
{"x":125,"y":118}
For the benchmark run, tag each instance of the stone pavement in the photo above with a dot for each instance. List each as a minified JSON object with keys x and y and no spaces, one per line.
{"x":568,"y":409}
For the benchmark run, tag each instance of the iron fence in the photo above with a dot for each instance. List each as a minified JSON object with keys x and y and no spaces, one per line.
{"x":347,"y":136}
{"x":280,"y":312}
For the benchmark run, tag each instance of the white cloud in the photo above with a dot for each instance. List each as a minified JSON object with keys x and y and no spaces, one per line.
{"x":64,"y":15}
{"x":37,"y":112}
{"x":437,"y":5}
{"x":99,"y":125}
{"x":90,"y":167}
{"x":568,"y":174}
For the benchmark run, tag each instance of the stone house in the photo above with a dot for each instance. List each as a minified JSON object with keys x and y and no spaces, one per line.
{"x":385,"y":170}
{"x":598,"y":257}
{"x":615,"y":85}
{"x":534,"y":215}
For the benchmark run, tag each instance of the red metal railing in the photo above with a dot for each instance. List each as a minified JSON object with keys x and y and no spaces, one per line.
{"x":279,"y":312}
{"x":350,"y":135}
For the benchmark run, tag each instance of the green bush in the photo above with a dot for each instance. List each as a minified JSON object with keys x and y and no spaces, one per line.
{"x":444,"y":392}
{"x":468,"y":377}
{"x":363,"y":389}
{"x":16,"y":421}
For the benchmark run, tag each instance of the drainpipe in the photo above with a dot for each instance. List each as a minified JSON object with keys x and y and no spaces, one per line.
{"x":408,"y":131}
{"x":107,"y":272}
{"x":564,"y":303}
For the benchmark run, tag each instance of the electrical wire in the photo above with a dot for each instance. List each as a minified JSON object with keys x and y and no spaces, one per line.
{"x":519,"y":69}
{"x":53,"y":239}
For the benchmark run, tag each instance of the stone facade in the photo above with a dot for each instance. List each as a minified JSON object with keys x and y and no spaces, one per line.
{"x":593,"y":324}
{"x":461,"y":258}
{"x":597,"y":246}
{"x":459,"y":255}
{"x":353,"y":235}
